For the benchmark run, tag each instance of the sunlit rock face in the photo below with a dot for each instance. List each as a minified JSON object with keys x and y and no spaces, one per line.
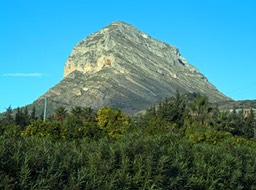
{"x":123,"y":67}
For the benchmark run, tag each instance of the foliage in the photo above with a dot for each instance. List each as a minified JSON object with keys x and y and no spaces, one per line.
{"x":180,"y":143}
{"x":8,"y":119}
{"x":171,"y":111}
{"x":113,"y":121}
{"x":77,"y":128}
{"x":60,"y":114}
{"x":136,"y":161}
{"x":22,"y":118}
{"x":249,"y":125}
{"x":71,"y":128}
{"x":48,"y":129}
{"x":201,"y":111}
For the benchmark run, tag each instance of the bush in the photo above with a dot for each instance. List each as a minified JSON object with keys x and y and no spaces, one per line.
{"x":48,"y":129}
{"x":136,"y":161}
{"x":113,"y":121}
{"x":71,"y":129}
{"x":199,"y":133}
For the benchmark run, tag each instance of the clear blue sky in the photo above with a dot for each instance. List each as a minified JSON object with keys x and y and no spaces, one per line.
{"x":37,"y":36}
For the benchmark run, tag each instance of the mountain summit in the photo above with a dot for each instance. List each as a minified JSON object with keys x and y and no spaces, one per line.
{"x":123,"y":67}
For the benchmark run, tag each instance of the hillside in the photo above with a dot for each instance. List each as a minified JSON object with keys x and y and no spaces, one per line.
{"x":122,"y":67}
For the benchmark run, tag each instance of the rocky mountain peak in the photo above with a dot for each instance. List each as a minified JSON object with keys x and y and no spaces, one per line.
{"x":123,"y":67}
{"x":96,"y":51}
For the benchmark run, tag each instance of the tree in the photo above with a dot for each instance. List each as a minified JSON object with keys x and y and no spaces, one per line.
{"x":200,"y":110}
{"x":236,"y":121}
{"x":26,"y":116}
{"x":22,"y":118}
{"x":60,"y":114}
{"x":171,"y":110}
{"x":33,"y":113}
{"x":177,"y":109}
{"x":73,"y":128}
{"x":89,"y":114}
{"x":76,"y":111}
{"x":249,"y":125}
{"x":8,"y":118}
{"x":85,"y":114}
{"x":113,"y":121}
{"x":222,"y":121}
{"x":19,"y":117}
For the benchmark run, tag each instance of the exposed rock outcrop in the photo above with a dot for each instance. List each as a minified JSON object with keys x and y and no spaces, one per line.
{"x":123,"y":67}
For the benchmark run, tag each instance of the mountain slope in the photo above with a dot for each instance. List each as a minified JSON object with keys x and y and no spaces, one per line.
{"x":123,"y":67}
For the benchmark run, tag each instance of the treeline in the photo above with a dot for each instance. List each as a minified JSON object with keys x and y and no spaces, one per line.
{"x":63,"y":125}
{"x":183,"y":112}
{"x":181,"y":143}
{"x":177,"y":113}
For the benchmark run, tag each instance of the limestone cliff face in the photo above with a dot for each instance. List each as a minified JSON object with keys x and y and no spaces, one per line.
{"x":123,"y":67}
{"x":120,"y":40}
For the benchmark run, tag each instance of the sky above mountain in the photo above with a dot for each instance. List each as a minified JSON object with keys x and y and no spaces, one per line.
{"x":218,"y":37}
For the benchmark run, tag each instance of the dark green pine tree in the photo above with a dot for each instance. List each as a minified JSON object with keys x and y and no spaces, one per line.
{"x":42,"y":116}
{"x":26,"y":117}
{"x":177,"y":110}
{"x":18,"y":117}
{"x":236,"y":122}
{"x":22,"y":118}
{"x":33,"y":114}
{"x":232,"y":118}
{"x":8,"y":118}
{"x":249,"y":125}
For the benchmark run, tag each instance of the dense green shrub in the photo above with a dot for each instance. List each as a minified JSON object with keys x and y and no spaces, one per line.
{"x":136,"y":161}
{"x":199,"y":133}
{"x":175,"y":145}
{"x":70,"y":129}
{"x":113,"y":122}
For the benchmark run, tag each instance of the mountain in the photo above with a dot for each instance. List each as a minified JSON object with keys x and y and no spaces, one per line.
{"x":123,"y":67}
